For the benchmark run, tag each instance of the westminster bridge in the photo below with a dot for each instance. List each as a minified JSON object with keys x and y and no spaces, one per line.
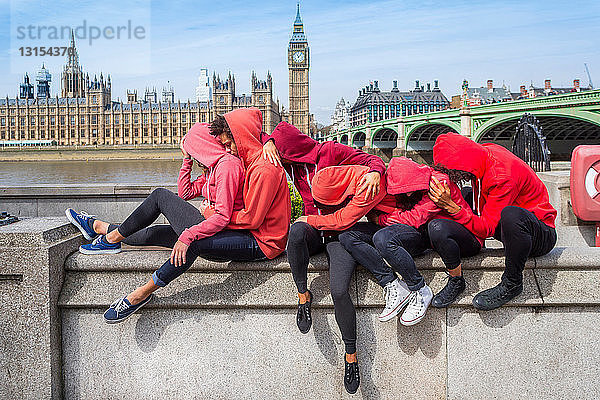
{"x":567,"y":120}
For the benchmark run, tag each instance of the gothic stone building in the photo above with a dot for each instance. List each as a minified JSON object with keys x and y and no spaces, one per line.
{"x":85,"y":113}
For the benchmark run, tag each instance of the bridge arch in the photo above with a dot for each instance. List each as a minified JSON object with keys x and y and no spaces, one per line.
{"x":563,"y":130}
{"x":359,"y":139}
{"x":422,"y":136}
{"x":384,"y":138}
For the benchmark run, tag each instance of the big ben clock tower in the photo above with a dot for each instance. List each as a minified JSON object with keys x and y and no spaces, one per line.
{"x":298,"y":64}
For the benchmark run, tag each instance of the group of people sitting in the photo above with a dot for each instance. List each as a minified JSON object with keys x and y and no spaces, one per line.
{"x":410,"y":208}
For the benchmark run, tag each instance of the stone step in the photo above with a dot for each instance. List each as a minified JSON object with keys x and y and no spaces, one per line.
{"x":276,"y":289}
{"x":146,"y":260}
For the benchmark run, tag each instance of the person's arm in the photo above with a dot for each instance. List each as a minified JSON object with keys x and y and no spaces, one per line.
{"x":499,"y":197}
{"x":346,"y":155}
{"x":420,"y":214}
{"x":347,"y":216}
{"x":185,"y":188}
{"x":265,"y":185}
{"x":229,"y":177}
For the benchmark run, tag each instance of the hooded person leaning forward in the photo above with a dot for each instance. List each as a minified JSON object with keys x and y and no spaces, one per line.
{"x":510,"y":203}
{"x":336,"y":192}
{"x":190,"y":233}
{"x":267,"y":207}
{"x":302,"y":157}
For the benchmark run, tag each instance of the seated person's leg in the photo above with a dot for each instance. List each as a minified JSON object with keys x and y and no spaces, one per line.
{"x":341,"y":268}
{"x":303,"y":241}
{"x":451,"y":241}
{"x":358,"y":241}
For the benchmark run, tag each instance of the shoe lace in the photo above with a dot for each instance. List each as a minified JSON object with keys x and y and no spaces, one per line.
{"x":390,"y":293}
{"x":416,"y":302}
{"x":119,"y":306}
{"x":96,"y":240}
{"x":86,"y":215}
{"x":351,"y":371}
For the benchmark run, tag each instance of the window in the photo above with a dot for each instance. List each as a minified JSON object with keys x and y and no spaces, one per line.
{"x":82,"y":119}
{"x":107,"y":119}
{"x":126,"y":132}
{"x":136,"y":119}
{"x":22,"y":121}
{"x":203,"y":117}
{"x":155,"y":119}
{"x":94,"y":133}
{"x":12,"y":121}
{"x":72,"y":120}
{"x":52,"y":120}
{"x":164,"y":118}
{"x":82,"y":133}
{"x":94,"y":119}
{"x":3,"y":121}
{"x":183,"y":118}
{"x":126,"y":118}
{"x":174,"y":118}
{"x":135,"y":132}
{"x":62,"y":119}
{"x":193,"y":117}
{"x":145,"y":118}
{"x":116,"y":119}
{"x":32,"y":121}
{"x":155,"y":131}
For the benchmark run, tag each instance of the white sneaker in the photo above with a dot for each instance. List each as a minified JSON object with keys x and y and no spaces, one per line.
{"x":417,"y":307}
{"x":397,"y":295}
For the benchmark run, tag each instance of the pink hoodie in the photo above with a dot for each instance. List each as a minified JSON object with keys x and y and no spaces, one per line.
{"x":221,"y":185}
{"x":404,"y":175}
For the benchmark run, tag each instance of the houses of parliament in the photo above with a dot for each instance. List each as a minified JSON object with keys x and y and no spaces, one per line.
{"x":85,"y":113}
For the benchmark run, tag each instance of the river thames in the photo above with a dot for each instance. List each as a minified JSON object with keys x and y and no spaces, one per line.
{"x":140,"y":172}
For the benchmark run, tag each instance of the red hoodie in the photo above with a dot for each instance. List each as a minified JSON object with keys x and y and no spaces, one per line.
{"x":222,"y":187}
{"x":404,"y":175}
{"x":503,"y":180}
{"x":267,"y":209}
{"x":297,"y":147}
{"x":332,"y":186}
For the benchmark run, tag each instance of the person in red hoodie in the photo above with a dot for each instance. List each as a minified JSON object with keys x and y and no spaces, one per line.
{"x":189,"y":233}
{"x":383,"y":251}
{"x":267,"y":206}
{"x":511,"y":203}
{"x":336,"y":192}
{"x":302,"y":157}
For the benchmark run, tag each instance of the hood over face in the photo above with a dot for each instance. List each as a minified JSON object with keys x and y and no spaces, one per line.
{"x":333,"y":185}
{"x":403,"y":175}
{"x":203,"y":146}
{"x":245,"y":125}
{"x":294,"y":145}
{"x":455,"y":151}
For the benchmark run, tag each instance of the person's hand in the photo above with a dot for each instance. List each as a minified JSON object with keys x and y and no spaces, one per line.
{"x":185,"y":153}
{"x":439,"y":193}
{"x":271,"y":154}
{"x":178,"y":254}
{"x":204,"y":205}
{"x":302,"y":218}
{"x":370,"y":182}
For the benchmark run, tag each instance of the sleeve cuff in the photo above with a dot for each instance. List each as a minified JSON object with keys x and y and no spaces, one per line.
{"x":208,"y":212}
{"x":186,"y":237}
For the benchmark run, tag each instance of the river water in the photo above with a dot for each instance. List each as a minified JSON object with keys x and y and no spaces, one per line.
{"x":136,"y":172}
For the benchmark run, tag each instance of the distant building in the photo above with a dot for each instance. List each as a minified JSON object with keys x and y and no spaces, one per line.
{"x":26,"y":89}
{"x":473,"y":96}
{"x":225,"y":99}
{"x":341,"y":116}
{"x":203,"y":90}
{"x":43,"y":80}
{"x":374,"y":105}
{"x":532,"y":91}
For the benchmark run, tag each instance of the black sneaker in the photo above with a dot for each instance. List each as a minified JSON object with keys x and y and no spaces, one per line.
{"x":351,"y":377}
{"x":497,"y":296}
{"x":303,"y":318}
{"x":448,"y":295}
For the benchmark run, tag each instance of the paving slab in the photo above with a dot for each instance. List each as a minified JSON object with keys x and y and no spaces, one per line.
{"x":570,"y":287}
{"x":523,"y":353}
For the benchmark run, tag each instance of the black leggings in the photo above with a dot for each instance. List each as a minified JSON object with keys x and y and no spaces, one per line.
{"x":226,"y":245}
{"x":452,"y":241}
{"x":341,"y":268}
{"x":303,"y":242}
{"x":523,"y":235}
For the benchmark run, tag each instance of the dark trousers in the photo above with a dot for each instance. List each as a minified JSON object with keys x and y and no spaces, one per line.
{"x":393,"y":246}
{"x":523,"y":235}
{"x":303,"y":242}
{"x":236,"y":245}
{"x":341,"y":269}
{"x":452,"y":241}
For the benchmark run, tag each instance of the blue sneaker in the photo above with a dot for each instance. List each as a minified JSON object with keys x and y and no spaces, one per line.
{"x":81,"y":221}
{"x":100,"y":246}
{"x":122,"y":309}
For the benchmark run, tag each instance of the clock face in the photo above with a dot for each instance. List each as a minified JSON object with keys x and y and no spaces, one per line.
{"x":298,"y":56}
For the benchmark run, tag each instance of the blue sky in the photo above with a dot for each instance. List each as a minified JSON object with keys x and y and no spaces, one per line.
{"x":351,"y":43}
